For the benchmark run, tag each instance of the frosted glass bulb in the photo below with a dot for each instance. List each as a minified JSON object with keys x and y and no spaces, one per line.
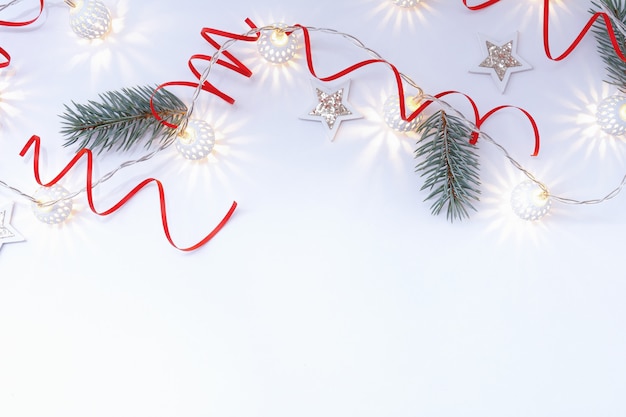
{"x":52,"y":213}
{"x":529,"y":201}
{"x":276,"y":46}
{"x":197,"y":141}
{"x":89,"y":19}
{"x":393,"y":116}
{"x":611,"y":115}
{"x":406,"y":3}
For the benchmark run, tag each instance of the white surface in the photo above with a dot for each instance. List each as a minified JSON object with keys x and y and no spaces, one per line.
{"x":332,"y":291}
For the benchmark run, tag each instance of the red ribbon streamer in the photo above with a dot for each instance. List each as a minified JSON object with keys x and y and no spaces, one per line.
{"x":481,"y":5}
{"x":25,"y":23}
{"x":581,"y":35}
{"x":36,"y":141}
{"x":235,"y":65}
{"x":3,"y":52}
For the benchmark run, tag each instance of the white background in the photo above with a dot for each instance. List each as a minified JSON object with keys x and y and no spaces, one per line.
{"x":332,"y":291}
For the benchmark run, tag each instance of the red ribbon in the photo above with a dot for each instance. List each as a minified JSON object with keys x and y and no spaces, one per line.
{"x":36,"y":141}
{"x":27,"y":22}
{"x":481,"y":5}
{"x":3,"y":52}
{"x":581,"y":35}
{"x":234,"y":65}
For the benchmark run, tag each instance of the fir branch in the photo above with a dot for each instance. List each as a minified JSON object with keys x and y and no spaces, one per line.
{"x":616,"y":68}
{"x":450,"y":165}
{"x":121,"y":118}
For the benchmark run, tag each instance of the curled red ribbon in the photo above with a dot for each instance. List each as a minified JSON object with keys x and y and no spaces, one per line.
{"x":27,"y":22}
{"x":481,"y":5}
{"x":581,"y":35}
{"x":36,"y":142}
{"x":3,"y":52}
{"x":6,"y":55}
{"x":234,"y":65}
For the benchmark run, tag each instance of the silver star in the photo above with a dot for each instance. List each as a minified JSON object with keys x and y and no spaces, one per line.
{"x":8,"y":234}
{"x":331,"y":108}
{"x":502,"y":60}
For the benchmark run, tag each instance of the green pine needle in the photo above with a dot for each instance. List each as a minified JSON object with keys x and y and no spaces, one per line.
{"x":616,"y":68}
{"x":450,"y":165}
{"x":121,"y":118}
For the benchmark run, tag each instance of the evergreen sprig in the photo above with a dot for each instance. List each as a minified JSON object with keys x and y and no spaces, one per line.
{"x":450,"y":165}
{"x":121,"y":118}
{"x":616,"y":68}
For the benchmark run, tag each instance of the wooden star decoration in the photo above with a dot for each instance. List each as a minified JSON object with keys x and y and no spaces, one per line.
{"x":8,"y":234}
{"x":501,"y":60}
{"x":331,"y":108}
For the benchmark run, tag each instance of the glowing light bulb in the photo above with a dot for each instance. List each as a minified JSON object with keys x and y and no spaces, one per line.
{"x":529,"y":201}
{"x":611,"y":115}
{"x":89,"y":19}
{"x":276,"y":46}
{"x":197,"y":141}
{"x":52,"y":213}
{"x":393,"y":116}
{"x":405,"y":3}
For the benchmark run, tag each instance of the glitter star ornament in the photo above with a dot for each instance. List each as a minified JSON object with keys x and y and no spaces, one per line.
{"x":8,"y":234}
{"x":501,"y":60}
{"x":331,"y":108}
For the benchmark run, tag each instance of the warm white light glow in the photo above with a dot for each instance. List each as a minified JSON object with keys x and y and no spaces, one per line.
{"x":89,"y":19}
{"x":279,"y":37}
{"x":529,"y":201}
{"x":276,"y":46}
{"x":611,"y":115}
{"x":197,"y":141}
{"x":52,"y":213}
{"x":393,"y":115}
{"x":405,"y":3}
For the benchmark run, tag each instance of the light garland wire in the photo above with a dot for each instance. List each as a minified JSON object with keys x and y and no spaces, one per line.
{"x":358,"y":43}
{"x":9,"y":4}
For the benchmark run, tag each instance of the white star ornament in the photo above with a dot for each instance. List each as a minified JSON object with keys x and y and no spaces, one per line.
{"x":8,"y":234}
{"x":331,"y":107}
{"x":501,"y":59}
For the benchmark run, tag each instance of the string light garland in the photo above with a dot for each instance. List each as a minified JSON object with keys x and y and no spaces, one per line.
{"x":393,"y":114}
{"x":530,"y":201}
{"x":89,"y":19}
{"x":54,"y":213}
{"x":403,"y":112}
{"x":276,"y":46}
{"x":197,"y":140}
{"x":611,"y":115}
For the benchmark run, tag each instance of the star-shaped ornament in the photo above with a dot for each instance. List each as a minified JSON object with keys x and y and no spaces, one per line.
{"x":8,"y":234}
{"x":331,"y":108}
{"x":502,"y":60}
